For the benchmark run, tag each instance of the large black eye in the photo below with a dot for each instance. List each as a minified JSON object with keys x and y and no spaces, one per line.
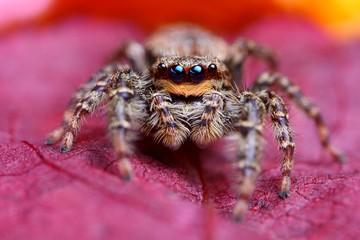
{"x":177,"y":73}
{"x":197,"y":73}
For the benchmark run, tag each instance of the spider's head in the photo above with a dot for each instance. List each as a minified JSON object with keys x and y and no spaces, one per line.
{"x":189,"y":76}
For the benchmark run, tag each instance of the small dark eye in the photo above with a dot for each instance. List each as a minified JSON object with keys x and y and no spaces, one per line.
{"x":177,"y":73}
{"x":212,"y":68}
{"x":162,"y":67}
{"x":197,"y":73}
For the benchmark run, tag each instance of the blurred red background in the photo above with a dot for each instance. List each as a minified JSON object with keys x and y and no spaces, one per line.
{"x":339,"y":17}
{"x":78,"y":195}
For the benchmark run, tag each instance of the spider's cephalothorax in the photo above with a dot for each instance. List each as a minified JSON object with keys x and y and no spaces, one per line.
{"x":182,"y":85}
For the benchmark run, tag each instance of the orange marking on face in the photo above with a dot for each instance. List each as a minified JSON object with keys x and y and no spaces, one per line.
{"x":187,"y":88}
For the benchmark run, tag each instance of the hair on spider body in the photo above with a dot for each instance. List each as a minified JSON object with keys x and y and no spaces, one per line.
{"x":181,"y":85}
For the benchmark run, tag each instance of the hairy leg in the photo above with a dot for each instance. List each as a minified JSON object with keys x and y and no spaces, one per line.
{"x":86,"y":102}
{"x":283,"y":134}
{"x":269,"y":80}
{"x":209,"y":125}
{"x":165,"y":121}
{"x":241,"y":49}
{"x":132,"y":51}
{"x":249,"y":150}
{"x":121,"y":115}
{"x":96,"y":84}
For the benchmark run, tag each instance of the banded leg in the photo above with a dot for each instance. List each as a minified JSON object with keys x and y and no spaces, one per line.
{"x":120,"y":122}
{"x":241,"y":49}
{"x":170,"y":128}
{"x":283,"y":134}
{"x":269,"y":80}
{"x":132,"y":51}
{"x":249,"y":153}
{"x":95,"y":84}
{"x":210,"y":125}
{"x":89,"y":101}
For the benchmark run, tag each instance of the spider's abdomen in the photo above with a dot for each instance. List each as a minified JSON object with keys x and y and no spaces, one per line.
{"x":186,"y":40}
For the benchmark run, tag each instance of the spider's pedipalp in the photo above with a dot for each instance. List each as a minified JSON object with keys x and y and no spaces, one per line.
{"x":166,"y":121}
{"x":209,"y":125}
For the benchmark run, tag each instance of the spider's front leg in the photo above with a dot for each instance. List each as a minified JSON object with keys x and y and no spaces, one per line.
{"x":84,"y":101}
{"x":249,"y":148}
{"x":280,"y":119}
{"x":115,"y":82}
{"x":122,"y":111}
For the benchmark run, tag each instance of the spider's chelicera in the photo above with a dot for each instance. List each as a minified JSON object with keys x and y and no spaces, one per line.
{"x":153,"y":95}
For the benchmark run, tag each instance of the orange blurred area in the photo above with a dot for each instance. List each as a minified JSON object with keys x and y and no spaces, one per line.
{"x":217,"y":15}
{"x":339,"y":17}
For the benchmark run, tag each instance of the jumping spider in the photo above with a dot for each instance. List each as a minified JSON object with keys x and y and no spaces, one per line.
{"x":182,"y":85}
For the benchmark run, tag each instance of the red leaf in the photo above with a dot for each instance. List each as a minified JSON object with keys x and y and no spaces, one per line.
{"x":174,"y":195}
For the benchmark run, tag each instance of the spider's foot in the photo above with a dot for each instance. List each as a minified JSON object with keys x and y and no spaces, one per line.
{"x":337,"y":154}
{"x":239,"y":210}
{"x":64,"y":149}
{"x":54,"y":136}
{"x":50,"y":140}
{"x":284,"y":194}
{"x":67,"y":142}
{"x":285,"y":187}
{"x":125,"y":169}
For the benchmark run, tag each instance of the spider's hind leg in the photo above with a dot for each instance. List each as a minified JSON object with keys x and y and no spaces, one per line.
{"x":132,"y":51}
{"x":266,"y":81}
{"x":241,"y":49}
